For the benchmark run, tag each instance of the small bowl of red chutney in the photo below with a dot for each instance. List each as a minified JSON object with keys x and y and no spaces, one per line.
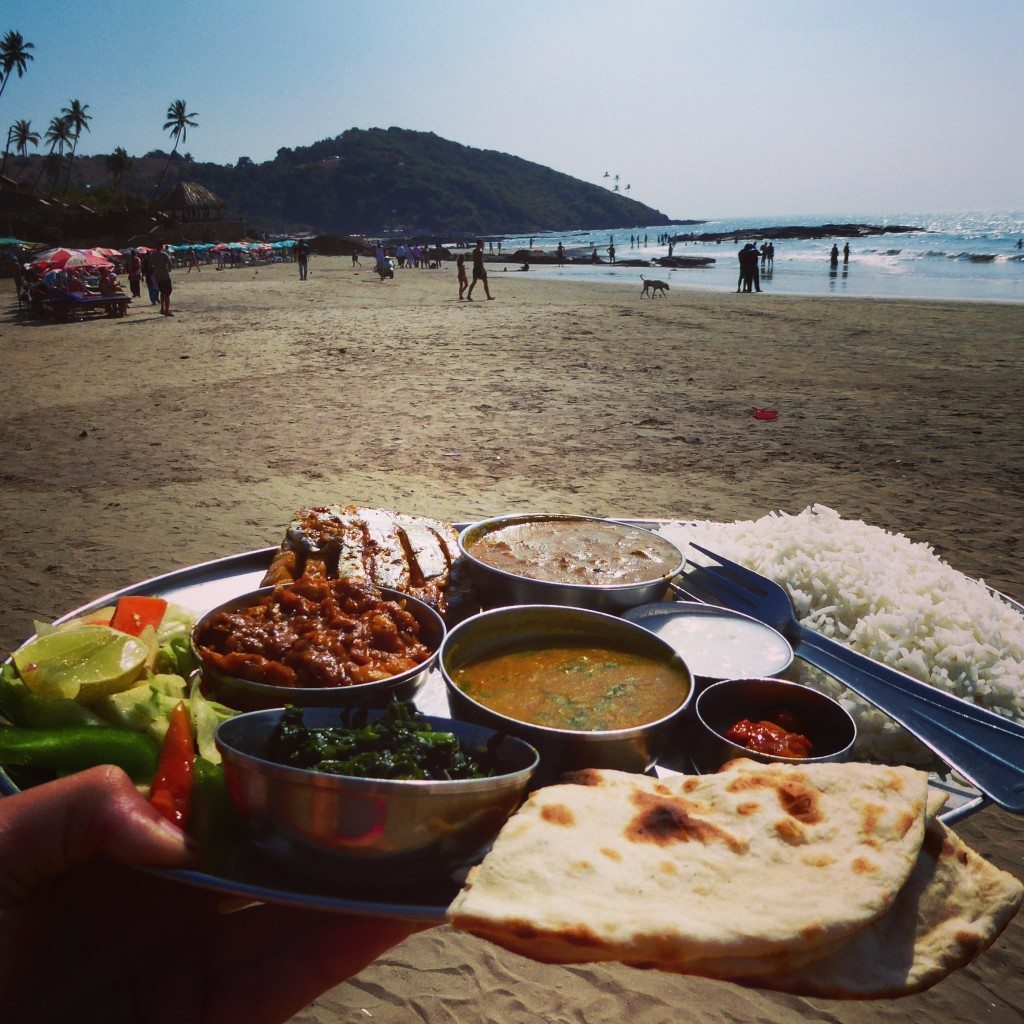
{"x":769,"y":720}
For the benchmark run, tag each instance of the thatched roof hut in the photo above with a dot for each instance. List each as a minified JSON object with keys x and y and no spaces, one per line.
{"x":188,"y":201}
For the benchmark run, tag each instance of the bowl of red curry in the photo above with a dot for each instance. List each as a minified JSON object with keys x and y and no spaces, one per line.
{"x":317,"y":643}
{"x":768,"y":720}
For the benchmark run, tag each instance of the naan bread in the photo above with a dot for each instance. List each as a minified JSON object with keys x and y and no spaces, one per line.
{"x":954,"y":906}
{"x":759,"y":860}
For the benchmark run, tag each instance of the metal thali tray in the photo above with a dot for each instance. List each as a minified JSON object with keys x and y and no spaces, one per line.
{"x":251,"y":878}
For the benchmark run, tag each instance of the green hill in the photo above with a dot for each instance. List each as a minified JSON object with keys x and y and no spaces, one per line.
{"x":366,"y":182}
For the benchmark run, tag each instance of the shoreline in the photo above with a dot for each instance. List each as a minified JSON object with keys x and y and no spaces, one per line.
{"x":586,"y":274}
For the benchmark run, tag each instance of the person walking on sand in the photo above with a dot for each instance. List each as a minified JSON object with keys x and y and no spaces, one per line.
{"x":135,"y":275}
{"x":479,"y":274}
{"x":302,"y":257}
{"x":160,"y":261}
{"x":460,"y":265}
{"x":193,"y":262}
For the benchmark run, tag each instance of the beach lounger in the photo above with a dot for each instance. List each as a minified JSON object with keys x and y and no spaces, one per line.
{"x":61,"y":305}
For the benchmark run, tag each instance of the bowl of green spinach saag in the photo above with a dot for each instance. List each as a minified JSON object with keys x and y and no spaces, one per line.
{"x":379,"y":797}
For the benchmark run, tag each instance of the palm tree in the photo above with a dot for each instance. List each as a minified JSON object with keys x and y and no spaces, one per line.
{"x":59,"y":136}
{"x":77,"y":119}
{"x":53,"y":164}
{"x":14,"y":56}
{"x":119,"y":166}
{"x":178,"y":123}
{"x":21,"y":134}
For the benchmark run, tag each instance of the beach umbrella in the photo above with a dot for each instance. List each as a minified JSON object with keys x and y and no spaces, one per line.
{"x":55,"y":257}
{"x":100,"y":250}
{"x":86,"y":259}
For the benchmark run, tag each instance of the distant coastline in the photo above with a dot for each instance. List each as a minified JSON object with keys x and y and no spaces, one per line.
{"x":800,"y":231}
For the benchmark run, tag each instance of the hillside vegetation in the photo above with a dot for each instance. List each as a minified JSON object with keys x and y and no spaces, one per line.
{"x":369,"y":181}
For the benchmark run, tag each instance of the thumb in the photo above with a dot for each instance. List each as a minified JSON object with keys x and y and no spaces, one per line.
{"x":52,"y":828}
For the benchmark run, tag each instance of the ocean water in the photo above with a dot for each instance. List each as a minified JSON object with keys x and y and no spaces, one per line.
{"x":970,"y":256}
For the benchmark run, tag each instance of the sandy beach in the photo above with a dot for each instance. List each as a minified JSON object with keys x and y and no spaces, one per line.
{"x":132,"y":447}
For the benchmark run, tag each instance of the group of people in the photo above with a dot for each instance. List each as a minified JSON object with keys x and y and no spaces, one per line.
{"x":833,"y":256}
{"x":154,"y":267}
{"x":754,"y":261}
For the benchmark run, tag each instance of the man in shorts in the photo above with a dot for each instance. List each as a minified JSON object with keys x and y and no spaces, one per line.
{"x":161,"y":264}
{"x":479,"y":274}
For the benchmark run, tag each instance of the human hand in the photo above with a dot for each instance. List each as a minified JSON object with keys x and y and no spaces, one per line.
{"x":86,"y":937}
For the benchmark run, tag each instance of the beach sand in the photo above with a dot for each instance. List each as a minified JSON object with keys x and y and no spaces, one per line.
{"x":132,"y":447}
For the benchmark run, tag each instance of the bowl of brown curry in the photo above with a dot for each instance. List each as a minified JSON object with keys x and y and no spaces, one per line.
{"x":587,"y":689}
{"x":317,"y":642}
{"x":580,"y":561}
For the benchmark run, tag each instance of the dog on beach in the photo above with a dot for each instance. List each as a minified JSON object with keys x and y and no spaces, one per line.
{"x":652,"y":287}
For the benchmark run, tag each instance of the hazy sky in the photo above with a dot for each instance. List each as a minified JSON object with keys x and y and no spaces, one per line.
{"x":706,"y":109}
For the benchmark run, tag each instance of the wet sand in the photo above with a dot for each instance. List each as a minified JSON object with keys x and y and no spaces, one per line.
{"x":132,"y":447}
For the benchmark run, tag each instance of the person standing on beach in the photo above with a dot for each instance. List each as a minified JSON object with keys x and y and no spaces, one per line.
{"x":160,"y":261}
{"x":302,"y":255}
{"x":771,"y":256}
{"x":193,"y":262}
{"x":846,"y":252}
{"x":479,"y":274}
{"x":460,"y":265}
{"x":833,"y":256}
{"x":147,"y":272}
{"x":135,"y":275}
{"x":611,"y":253}
{"x":560,"y":254}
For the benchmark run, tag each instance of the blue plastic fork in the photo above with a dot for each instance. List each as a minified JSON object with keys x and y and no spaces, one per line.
{"x":982,"y":746}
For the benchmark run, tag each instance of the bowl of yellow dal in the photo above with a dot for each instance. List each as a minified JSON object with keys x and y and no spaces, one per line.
{"x":587,"y":689}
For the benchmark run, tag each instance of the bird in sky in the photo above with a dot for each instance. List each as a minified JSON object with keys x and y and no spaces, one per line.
{"x":606,"y":174}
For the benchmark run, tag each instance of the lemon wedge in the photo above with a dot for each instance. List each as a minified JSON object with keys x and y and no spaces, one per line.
{"x":83,"y":664}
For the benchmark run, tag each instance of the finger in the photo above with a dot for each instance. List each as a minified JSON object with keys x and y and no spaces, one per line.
{"x":49,"y":829}
{"x":274,"y":986}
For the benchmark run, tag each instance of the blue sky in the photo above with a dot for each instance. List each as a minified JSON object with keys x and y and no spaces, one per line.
{"x":706,"y":109}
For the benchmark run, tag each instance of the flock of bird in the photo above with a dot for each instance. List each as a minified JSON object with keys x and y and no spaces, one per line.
{"x":616,"y":180}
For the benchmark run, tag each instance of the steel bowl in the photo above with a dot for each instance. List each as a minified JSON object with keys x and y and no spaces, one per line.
{"x":826,"y":723}
{"x":246,"y":695}
{"x":632,"y":750}
{"x":370,"y":832}
{"x":762,"y":652}
{"x":496,"y":587}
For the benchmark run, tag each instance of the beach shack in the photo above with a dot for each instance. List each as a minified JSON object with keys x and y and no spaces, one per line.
{"x":190,"y":212}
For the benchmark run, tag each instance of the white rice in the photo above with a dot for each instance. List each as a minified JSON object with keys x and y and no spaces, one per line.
{"x":889,"y":598}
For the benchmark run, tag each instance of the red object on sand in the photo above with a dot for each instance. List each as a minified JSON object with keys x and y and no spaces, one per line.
{"x":765,"y":414}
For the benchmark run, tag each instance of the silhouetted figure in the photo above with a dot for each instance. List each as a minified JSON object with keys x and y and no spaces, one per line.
{"x":749,"y":279}
{"x":771,"y":256}
{"x":479,"y":274}
{"x":833,"y":257}
{"x":460,"y":266}
{"x":560,"y":254}
{"x":1020,"y":243}
{"x":302,"y":257}
{"x":611,"y":253}
{"x":764,"y":253}
{"x":846,"y":252}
